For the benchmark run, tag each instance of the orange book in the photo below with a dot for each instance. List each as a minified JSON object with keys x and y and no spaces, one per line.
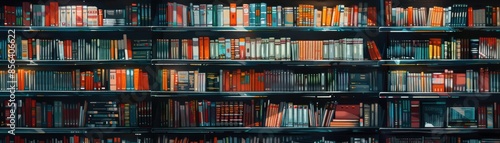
{"x":323,"y":16}
{"x":242,"y":48}
{"x":79,"y":15}
{"x":246,"y":14}
{"x":410,"y":16}
{"x":206,"y":48}
{"x":137,"y":76}
{"x":232,"y":14}
{"x":100,"y":18}
{"x":119,"y":79}
{"x":20,"y":77}
{"x":494,"y":16}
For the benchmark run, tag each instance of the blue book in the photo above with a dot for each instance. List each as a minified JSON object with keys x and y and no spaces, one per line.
{"x":251,"y":16}
{"x":263,"y":12}
{"x":133,"y":115}
{"x":274,"y":16}
{"x":209,"y":15}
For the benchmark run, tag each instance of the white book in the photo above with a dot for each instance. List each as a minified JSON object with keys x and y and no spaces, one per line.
{"x":288,"y":49}
{"x":62,"y":16}
{"x":258,"y":48}
{"x":270,"y":49}
{"x":247,"y":48}
{"x":196,"y":49}
{"x":61,"y":49}
{"x":226,"y":16}
{"x":196,"y":15}
{"x":213,"y":54}
{"x":278,"y":13}
{"x":341,"y":19}
{"x":73,"y":15}
{"x":239,"y":16}
{"x":277,"y":49}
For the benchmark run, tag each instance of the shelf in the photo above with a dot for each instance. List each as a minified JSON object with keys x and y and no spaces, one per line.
{"x":75,"y":29}
{"x":440,"y":62}
{"x":423,"y":95}
{"x":310,"y":94}
{"x":436,"y":131}
{"x":265,"y":130}
{"x":256,"y":28}
{"x":48,"y":93}
{"x":418,"y":29}
{"x":79,"y":130}
{"x":77,"y":62}
{"x":265,"y":62}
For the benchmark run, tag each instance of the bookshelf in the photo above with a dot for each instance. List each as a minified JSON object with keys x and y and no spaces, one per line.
{"x":384,"y":88}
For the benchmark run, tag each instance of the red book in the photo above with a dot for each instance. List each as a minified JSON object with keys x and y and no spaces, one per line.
{"x":129,"y":48}
{"x":47,"y":15}
{"x":79,"y":15}
{"x":134,"y":15}
{"x":190,"y":49}
{"x":170,"y":11}
{"x":470,"y":17}
{"x":33,"y":113}
{"x":49,"y":118}
{"x":26,"y":13}
{"x":415,"y":113}
{"x":54,"y":14}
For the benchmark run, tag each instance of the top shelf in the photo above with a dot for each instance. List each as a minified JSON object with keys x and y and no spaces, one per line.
{"x":248,"y":29}
{"x":182,"y":29}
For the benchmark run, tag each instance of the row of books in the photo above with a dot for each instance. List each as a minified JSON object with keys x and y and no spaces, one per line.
{"x":59,"y":114}
{"x":74,"y":139}
{"x":447,"y":139}
{"x":456,"y":15}
{"x":261,"y":14}
{"x":266,"y":80}
{"x":405,"y":113}
{"x":260,"y":139}
{"x":261,"y":113}
{"x":437,"y":48}
{"x":482,"y":80}
{"x":96,"y":79}
{"x":204,"y":48}
{"x":79,"y":49}
{"x":52,"y":14}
